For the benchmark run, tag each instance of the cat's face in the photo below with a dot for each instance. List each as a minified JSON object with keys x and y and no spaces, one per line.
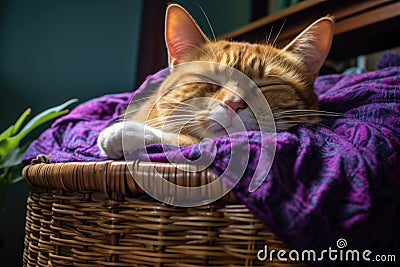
{"x":285,"y":78}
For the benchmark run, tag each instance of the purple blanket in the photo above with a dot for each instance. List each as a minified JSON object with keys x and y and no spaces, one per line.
{"x":340,"y":179}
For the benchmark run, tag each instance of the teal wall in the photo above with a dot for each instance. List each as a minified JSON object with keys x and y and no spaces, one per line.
{"x":54,"y":50}
{"x":51,"y":51}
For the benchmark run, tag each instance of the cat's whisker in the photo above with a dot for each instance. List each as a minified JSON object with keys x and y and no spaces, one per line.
{"x":287,"y":115}
{"x":133,"y":101}
{"x":307,"y":112}
{"x":177,"y":126}
{"x":208,"y":21}
{"x":172,"y":127}
{"x":276,"y":38}
{"x":306,"y":117}
{"x":286,"y":125}
{"x":212,"y":31}
{"x":279,"y":32}
{"x":131,"y":109}
{"x":157,"y":121}
{"x":180,"y":116}
{"x":269,"y":35}
{"x":302,"y":110}
{"x":122,"y":116}
{"x":176,"y":111}
{"x":178,"y":104}
{"x":189,"y":105}
{"x":151,"y":107}
{"x":279,"y":122}
{"x":140,"y":99}
{"x":194,"y":129}
{"x":180,"y":121}
{"x":134,"y":105}
{"x":267,"y":48}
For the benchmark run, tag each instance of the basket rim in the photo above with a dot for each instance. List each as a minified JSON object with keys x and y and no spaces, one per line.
{"x":116,"y":177}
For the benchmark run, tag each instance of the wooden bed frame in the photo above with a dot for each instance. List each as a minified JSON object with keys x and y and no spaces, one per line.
{"x":362,"y":27}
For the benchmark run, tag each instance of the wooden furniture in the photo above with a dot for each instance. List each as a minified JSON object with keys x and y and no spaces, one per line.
{"x":361,"y":26}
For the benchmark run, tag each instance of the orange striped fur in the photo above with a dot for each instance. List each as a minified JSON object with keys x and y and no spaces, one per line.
{"x":184,"y":112}
{"x":284,"y":76}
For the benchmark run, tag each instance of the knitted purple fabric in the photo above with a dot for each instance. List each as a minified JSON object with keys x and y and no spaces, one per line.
{"x":340,"y":179}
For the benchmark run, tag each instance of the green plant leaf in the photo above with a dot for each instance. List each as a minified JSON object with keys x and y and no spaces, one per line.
{"x":13,"y":129}
{"x":8,"y":143}
{"x":38,"y":120}
{"x":7,"y":133}
{"x":46,"y":115}
{"x":14,"y":157}
{"x":21,"y":120}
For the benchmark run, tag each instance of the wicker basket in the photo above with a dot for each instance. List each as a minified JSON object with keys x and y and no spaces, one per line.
{"x":94,"y":214}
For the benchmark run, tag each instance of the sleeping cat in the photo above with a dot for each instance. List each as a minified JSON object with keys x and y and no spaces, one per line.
{"x":284,"y":76}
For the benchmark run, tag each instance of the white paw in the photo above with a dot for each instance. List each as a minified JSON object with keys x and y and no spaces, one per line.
{"x":126,"y":137}
{"x":110,"y":141}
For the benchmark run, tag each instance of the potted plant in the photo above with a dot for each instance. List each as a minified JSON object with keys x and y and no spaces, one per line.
{"x":11,"y":152}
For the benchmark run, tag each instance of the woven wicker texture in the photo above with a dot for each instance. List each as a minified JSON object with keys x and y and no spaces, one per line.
{"x":94,"y":214}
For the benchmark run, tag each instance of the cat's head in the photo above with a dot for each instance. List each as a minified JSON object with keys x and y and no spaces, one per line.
{"x":284,"y":76}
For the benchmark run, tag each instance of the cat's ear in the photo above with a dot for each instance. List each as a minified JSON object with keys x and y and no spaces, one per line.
{"x":182,"y":34}
{"x":313,"y":44}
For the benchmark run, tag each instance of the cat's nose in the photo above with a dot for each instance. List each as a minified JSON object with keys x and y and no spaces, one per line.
{"x":234,"y":104}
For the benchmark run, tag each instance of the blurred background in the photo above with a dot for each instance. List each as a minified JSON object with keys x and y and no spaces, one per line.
{"x":52,"y":51}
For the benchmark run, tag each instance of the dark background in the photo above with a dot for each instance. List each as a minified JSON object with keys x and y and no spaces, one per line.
{"x":55,"y":50}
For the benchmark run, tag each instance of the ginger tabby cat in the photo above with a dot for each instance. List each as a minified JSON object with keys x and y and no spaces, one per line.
{"x":284,"y":76}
